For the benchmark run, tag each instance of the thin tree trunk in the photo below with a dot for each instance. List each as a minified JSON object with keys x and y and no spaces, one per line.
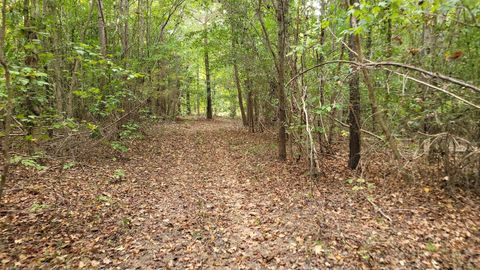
{"x":148,"y":27}
{"x":57,"y":66}
{"x":321,"y":88}
{"x":188,"y":103}
{"x":250,"y":111}
{"x":237,"y":78}
{"x":388,"y":36}
{"x":73,"y":85}
{"x":250,"y":103}
{"x":140,"y":29}
{"x":207,"y":77}
{"x":101,"y":28}
{"x":333,"y":113}
{"x":9,"y":106}
{"x":197,"y":96}
{"x":124,"y":11}
{"x":256,"y":111}
{"x":177,"y":98}
{"x":31,"y":60}
{"x":356,"y":46}
{"x":354,"y":105}
{"x":369,"y":53}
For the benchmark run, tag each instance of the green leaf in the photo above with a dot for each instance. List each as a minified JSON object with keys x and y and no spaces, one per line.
{"x":23,"y":81}
{"x":119,"y":147}
{"x":360,"y":180}
{"x":38,"y":206}
{"x":431,"y":247}
{"x":69,"y":165}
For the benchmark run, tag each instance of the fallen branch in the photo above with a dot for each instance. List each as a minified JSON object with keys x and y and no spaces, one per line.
{"x":383,"y":64}
{"x":379,"y":210}
{"x":406,"y":66}
{"x":426,"y":72}
{"x":436,"y":87}
{"x":395,"y":64}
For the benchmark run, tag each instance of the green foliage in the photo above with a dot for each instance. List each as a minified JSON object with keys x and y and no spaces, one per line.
{"x":106,"y":199}
{"x":69,"y":165}
{"x":131,"y":131}
{"x":38,"y":207}
{"x":431,"y":247}
{"x":325,"y":109}
{"x":117,"y":146}
{"x":28,"y":161}
{"x":360,"y":184}
{"x":119,"y":174}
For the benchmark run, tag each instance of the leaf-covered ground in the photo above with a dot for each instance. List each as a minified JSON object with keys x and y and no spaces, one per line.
{"x":206,"y":195}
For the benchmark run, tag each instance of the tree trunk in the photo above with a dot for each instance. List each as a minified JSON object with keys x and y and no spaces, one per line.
{"x":321,"y":89}
{"x":197,"y":95}
{"x":124,"y":12}
{"x":207,"y":77}
{"x":354,"y":106}
{"x":250,"y":108}
{"x":188,"y":103}
{"x":58,"y":63}
{"x":73,"y":85}
{"x":9,"y":106}
{"x":237,"y":78}
{"x":369,"y":53}
{"x":282,"y":25}
{"x":102,"y":32}
{"x":141,"y":27}
{"x":31,"y":60}
{"x":381,"y":118}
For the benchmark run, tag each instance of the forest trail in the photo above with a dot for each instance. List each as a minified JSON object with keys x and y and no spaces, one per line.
{"x":208,"y":194}
{"x":214,"y":203}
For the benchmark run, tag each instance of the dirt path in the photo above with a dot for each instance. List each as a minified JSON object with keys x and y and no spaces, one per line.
{"x":222,"y":213}
{"x":203,"y":195}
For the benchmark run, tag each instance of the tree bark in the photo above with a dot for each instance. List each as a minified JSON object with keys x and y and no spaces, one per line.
{"x":101,"y":29}
{"x":73,"y":85}
{"x":9,"y":106}
{"x":141,"y":27}
{"x":250,"y":103}
{"x":354,"y":105}
{"x":282,"y":25}
{"x":31,"y":60}
{"x":369,"y":53}
{"x":237,"y":77}
{"x":124,"y":12}
{"x":188,"y":103}
{"x":58,"y":63}
{"x":207,"y":76}
{"x":381,"y":118}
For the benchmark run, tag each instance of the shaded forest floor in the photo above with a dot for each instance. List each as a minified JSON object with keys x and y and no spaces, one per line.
{"x":201,"y":194}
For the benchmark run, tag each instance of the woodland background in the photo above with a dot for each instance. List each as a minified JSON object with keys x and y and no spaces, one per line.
{"x":338,"y":105}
